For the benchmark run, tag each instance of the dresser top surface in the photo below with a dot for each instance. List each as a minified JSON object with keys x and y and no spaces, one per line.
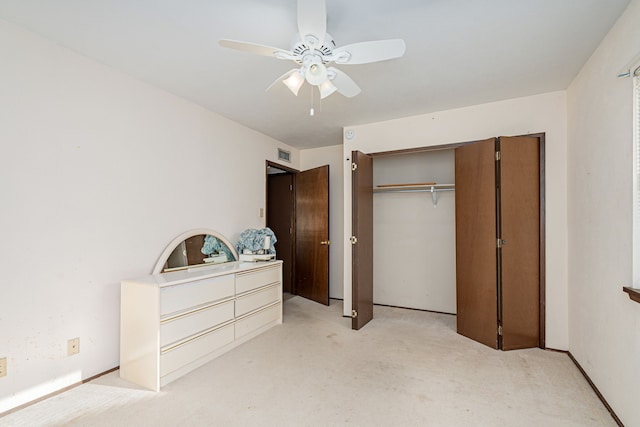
{"x":202,"y":272}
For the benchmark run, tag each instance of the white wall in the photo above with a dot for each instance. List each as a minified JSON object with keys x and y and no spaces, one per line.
{"x":604,"y":324}
{"x":331,"y":156}
{"x":98,"y":173}
{"x":414,"y":242}
{"x":533,"y":114}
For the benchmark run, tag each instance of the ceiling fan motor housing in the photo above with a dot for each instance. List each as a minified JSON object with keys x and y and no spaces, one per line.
{"x":301,"y":48}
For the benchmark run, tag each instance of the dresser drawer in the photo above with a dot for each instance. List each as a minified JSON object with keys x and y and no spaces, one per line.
{"x":257,"y":320}
{"x":181,"y":297}
{"x":252,"y":280}
{"x":176,"y":329}
{"x":257,"y":299}
{"x":178,"y":357}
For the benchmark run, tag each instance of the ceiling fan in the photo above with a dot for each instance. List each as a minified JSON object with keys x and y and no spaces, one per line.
{"x":313,"y":49}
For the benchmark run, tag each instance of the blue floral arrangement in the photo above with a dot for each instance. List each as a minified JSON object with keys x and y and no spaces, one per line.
{"x":213,"y":246}
{"x":253,"y":240}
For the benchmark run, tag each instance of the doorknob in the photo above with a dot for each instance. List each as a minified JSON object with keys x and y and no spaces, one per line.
{"x":325,"y":242}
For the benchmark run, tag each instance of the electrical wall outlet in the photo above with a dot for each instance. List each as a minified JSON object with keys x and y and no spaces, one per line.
{"x":73,"y":346}
{"x":3,"y":367}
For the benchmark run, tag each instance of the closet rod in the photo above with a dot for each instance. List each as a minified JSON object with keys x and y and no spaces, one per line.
{"x":415,"y":190}
{"x":418,"y":188}
{"x":433,"y":189}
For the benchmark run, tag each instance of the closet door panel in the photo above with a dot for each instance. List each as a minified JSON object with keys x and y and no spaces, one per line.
{"x":476,"y":251}
{"x":520,"y":221}
{"x":362,"y":250}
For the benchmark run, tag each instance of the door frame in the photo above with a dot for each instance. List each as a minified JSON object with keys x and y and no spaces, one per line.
{"x":294,"y":173}
{"x":541,"y":138}
{"x":542,"y":343}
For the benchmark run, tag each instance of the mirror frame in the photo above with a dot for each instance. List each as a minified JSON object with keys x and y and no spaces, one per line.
{"x":186,"y":235}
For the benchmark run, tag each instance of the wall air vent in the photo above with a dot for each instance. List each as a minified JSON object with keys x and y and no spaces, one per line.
{"x":284,"y":155}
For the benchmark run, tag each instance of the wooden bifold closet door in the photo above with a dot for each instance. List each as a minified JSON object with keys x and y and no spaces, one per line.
{"x":498,"y":241}
{"x":476,"y":258}
{"x":362,"y":246}
{"x":520,"y":249}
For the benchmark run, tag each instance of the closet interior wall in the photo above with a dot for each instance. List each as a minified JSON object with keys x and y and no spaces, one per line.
{"x":414,"y":256}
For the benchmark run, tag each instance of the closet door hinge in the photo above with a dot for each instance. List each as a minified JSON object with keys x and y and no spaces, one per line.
{"x":497,"y":156}
{"x":500,"y":330}
{"x":354,"y":314}
{"x":499,"y":243}
{"x":353,"y":240}
{"x":354,"y":166}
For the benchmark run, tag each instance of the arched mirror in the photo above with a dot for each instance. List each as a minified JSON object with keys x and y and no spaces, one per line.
{"x":195,"y":248}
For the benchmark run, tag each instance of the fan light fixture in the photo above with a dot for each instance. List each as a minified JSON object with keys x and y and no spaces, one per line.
{"x":326,"y":89}
{"x":294,"y":82}
{"x":316,"y":74}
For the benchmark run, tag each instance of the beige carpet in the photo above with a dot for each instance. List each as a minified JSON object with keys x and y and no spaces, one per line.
{"x":406,"y":368}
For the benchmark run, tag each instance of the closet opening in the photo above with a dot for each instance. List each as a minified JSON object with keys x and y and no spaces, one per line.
{"x":455,"y":229}
{"x":414,"y":254}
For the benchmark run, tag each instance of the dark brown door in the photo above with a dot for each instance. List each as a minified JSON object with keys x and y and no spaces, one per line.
{"x":312,"y":234}
{"x":520,"y":234}
{"x":362,"y":229}
{"x":476,"y":237}
{"x":280,"y":214}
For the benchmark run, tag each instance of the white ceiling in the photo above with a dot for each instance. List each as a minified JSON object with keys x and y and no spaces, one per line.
{"x":459,"y":53}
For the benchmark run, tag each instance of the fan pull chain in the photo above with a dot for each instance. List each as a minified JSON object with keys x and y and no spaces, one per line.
{"x":311,"y":110}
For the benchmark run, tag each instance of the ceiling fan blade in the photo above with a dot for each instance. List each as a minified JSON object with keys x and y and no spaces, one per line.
{"x":374,"y":51}
{"x":312,"y":19}
{"x":344,"y":84}
{"x":258,"y":49}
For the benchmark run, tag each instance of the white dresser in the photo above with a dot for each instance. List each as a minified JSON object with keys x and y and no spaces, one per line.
{"x":172,"y":323}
